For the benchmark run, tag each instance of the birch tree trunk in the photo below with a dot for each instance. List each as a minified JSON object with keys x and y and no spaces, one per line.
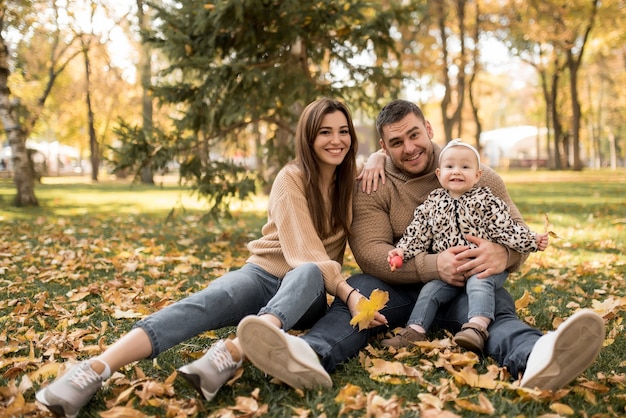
{"x":16,"y":135}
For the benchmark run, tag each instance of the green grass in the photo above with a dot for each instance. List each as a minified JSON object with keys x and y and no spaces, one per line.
{"x":90,"y":251}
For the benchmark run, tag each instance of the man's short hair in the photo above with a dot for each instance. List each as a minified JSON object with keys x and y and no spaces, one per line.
{"x":395,"y":111}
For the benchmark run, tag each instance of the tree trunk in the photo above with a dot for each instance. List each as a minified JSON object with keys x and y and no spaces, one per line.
{"x":574,"y":63}
{"x":476,"y":67}
{"x":595,"y":124}
{"x":454,"y":95}
{"x":93,"y":141}
{"x":146,"y":175}
{"x":23,"y":176}
{"x":556,"y":122}
{"x":545,"y":91}
{"x":612,"y":150}
{"x":145,"y":71}
{"x":573,"y":72}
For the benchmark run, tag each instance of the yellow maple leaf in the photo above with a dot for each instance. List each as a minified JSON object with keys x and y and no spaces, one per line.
{"x":367,"y":308}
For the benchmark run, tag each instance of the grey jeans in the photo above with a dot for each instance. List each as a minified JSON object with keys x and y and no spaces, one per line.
{"x":298,"y":300}
{"x":480,"y":293}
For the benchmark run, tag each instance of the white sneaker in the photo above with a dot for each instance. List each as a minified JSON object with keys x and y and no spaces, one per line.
{"x":211,"y":371}
{"x":285,"y":357}
{"x":70,"y":392}
{"x":560,"y":356}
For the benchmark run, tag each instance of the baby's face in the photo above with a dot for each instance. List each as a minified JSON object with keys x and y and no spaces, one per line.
{"x":458,"y":170}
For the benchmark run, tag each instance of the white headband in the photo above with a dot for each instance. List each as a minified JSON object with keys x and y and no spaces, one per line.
{"x":458,"y":143}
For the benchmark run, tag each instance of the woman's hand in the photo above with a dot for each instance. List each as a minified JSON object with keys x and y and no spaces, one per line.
{"x":379,"y":319}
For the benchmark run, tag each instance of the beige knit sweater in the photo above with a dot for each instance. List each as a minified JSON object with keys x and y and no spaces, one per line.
{"x":381,"y":218}
{"x":289,"y":236}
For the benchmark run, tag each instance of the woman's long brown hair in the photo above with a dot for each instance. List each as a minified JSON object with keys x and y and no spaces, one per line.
{"x":306,"y":132}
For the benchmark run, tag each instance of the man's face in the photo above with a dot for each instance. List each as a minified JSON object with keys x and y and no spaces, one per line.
{"x":408,"y":143}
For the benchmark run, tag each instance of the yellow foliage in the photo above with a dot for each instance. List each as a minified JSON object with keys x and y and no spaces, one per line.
{"x":367,"y":308}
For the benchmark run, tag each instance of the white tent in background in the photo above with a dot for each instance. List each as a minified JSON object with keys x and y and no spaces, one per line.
{"x":59,"y":158}
{"x":50,"y":158}
{"x":517,"y":145}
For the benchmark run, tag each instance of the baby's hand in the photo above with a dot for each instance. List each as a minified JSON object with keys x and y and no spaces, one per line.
{"x":394,"y":258}
{"x":542,"y":241}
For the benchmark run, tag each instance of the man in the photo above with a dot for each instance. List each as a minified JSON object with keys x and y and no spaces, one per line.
{"x":548,"y":362}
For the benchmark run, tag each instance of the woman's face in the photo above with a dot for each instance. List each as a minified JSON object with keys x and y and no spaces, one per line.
{"x":333,"y":140}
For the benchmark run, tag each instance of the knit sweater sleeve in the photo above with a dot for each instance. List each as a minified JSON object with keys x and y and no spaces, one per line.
{"x":372,"y":234}
{"x":381,"y":218}
{"x":297,"y":235}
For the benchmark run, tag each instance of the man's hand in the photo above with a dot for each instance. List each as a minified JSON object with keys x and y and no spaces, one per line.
{"x":486,"y":260}
{"x":448,"y":264}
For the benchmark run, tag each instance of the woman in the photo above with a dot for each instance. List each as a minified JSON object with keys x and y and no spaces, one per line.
{"x":284,"y":281}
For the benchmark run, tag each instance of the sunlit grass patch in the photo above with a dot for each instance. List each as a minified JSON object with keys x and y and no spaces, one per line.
{"x":78,"y":271}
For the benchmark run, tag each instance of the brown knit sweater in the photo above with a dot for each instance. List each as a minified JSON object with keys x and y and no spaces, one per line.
{"x":381,"y":218}
{"x":289,"y":236}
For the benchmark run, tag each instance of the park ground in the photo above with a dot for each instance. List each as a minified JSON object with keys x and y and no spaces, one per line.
{"x":79,"y":270}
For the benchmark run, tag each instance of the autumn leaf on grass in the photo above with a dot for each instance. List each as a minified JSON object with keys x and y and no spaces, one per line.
{"x":430,"y":402}
{"x":484,"y":405}
{"x":352,"y":399}
{"x":561,"y":409}
{"x":524,"y":300}
{"x":249,"y":406}
{"x":393,"y":372}
{"x":377,"y":406}
{"x":470,"y":377}
{"x":123,"y":412}
{"x":367,"y":308}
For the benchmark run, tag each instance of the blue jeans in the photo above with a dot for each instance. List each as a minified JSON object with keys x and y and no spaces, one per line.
{"x":480,"y":295}
{"x":298,"y":300}
{"x":335,"y":340}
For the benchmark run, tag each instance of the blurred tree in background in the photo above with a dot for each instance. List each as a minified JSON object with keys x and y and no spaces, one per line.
{"x":216,"y":87}
{"x":241,"y":72}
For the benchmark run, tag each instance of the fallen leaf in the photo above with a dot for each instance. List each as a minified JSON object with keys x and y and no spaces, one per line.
{"x":561,"y":409}
{"x":367,"y":308}
{"x":470,"y":377}
{"x":524,"y":300}
{"x":429,"y":401}
{"x":123,"y":412}
{"x":377,"y":406}
{"x":129,"y":314}
{"x":352,"y":399}
{"x":546,"y":225}
{"x":484,"y":406}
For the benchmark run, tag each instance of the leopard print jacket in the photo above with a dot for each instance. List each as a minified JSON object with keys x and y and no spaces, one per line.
{"x":442,"y":222}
